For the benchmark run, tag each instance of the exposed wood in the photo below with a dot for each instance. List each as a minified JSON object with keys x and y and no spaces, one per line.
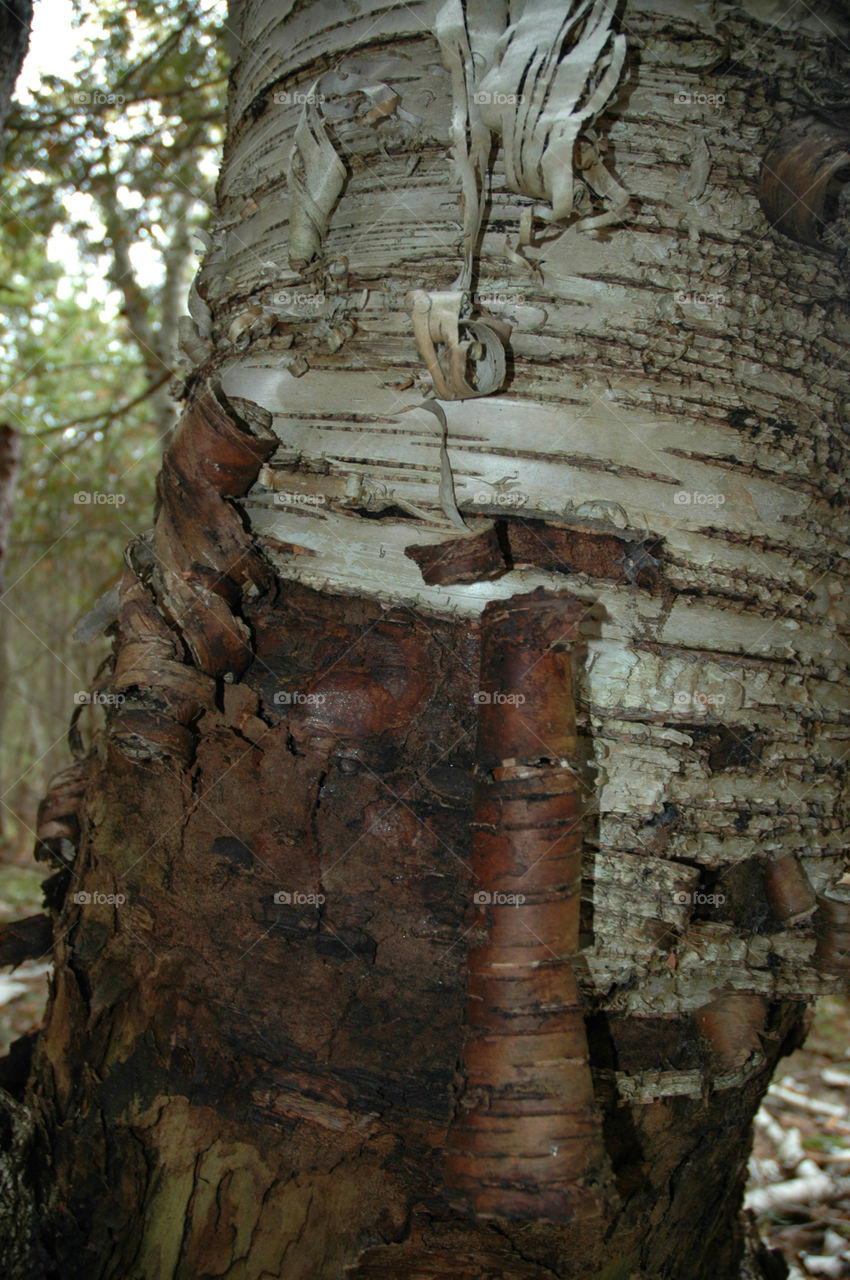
{"x":25,"y":939}
{"x":272,"y":986}
{"x":797,"y":174}
{"x":526,"y":1141}
{"x":58,"y":820}
{"x":15,"y":23}
{"x":10,"y":456}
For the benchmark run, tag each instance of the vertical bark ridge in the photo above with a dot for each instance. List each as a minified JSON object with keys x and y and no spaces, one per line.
{"x":527,"y":1139}
{"x":181,"y":599}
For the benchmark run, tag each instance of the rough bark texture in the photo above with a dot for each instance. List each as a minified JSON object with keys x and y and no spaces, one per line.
{"x":263,"y":1022}
{"x":15,"y":22}
{"x":526,"y":1140}
{"x":10,"y":455}
{"x":267,"y":1083}
{"x":10,"y":452}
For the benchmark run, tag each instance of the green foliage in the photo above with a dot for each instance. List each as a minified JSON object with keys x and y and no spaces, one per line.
{"x":137,"y":125}
{"x":106,"y":175}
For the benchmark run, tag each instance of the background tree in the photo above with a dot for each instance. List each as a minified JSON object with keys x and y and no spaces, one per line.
{"x":108,"y":173}
{"x":296,"y":1026}
{"x":14,"y":35}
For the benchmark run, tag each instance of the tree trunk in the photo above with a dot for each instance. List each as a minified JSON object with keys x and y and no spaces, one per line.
{"x":15,"y":23}
{"x":10,"y":456}
{"x":464,"y":842}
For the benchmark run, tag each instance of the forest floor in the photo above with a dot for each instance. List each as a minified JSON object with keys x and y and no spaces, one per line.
{"x":799,"y":1185}
{"x":23,"y":991}
{"x":799,"y":1188}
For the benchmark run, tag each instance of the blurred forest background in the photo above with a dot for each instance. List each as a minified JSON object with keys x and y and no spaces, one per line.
{"x":108,"y":177}
{"x":108,"y":174}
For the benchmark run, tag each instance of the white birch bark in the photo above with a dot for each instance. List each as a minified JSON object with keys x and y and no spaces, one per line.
{"x":678,"y":376}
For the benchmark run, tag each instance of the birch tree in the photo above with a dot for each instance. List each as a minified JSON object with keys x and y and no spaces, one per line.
{"x":465,"y":839}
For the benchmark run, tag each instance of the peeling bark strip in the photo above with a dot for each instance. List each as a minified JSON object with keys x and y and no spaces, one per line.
{"x":599,"y":555}
{"x":832,"y":929}
{"x":27,"y":939}
{"x":473,"y":559}
{"x":716,"y":713}
{"x":789,"y":892}
{"x":10,"y":457}
{"x":162,"y":694}
{"x":438,"y":320}
{"x":181,"y":604}
{"x":798,"y":175}
{"x":207,"y":560}
{"x":544,"y":89}
{"x":541,"y":92}
{"x":526,"y":1142}
{"x":731,"y":1026}
{"x":58,"y":823}
{"x":494,"y":551}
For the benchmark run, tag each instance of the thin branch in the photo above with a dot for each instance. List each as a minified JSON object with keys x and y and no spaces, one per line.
{"x":112,"y":414}
{"x":49,"y":119}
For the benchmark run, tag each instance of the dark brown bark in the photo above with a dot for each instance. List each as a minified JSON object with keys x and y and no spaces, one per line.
{"x":10,"y":452}
{"x":264,"y":1014}
{"x":272,"y":955}
{"x":797,"y":176}
{"x":27,"y":939}
{"x":15,"y":22}
{"x":10,"y":456}
{"x":544,"y":544}
{"x":526,"y":1141}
